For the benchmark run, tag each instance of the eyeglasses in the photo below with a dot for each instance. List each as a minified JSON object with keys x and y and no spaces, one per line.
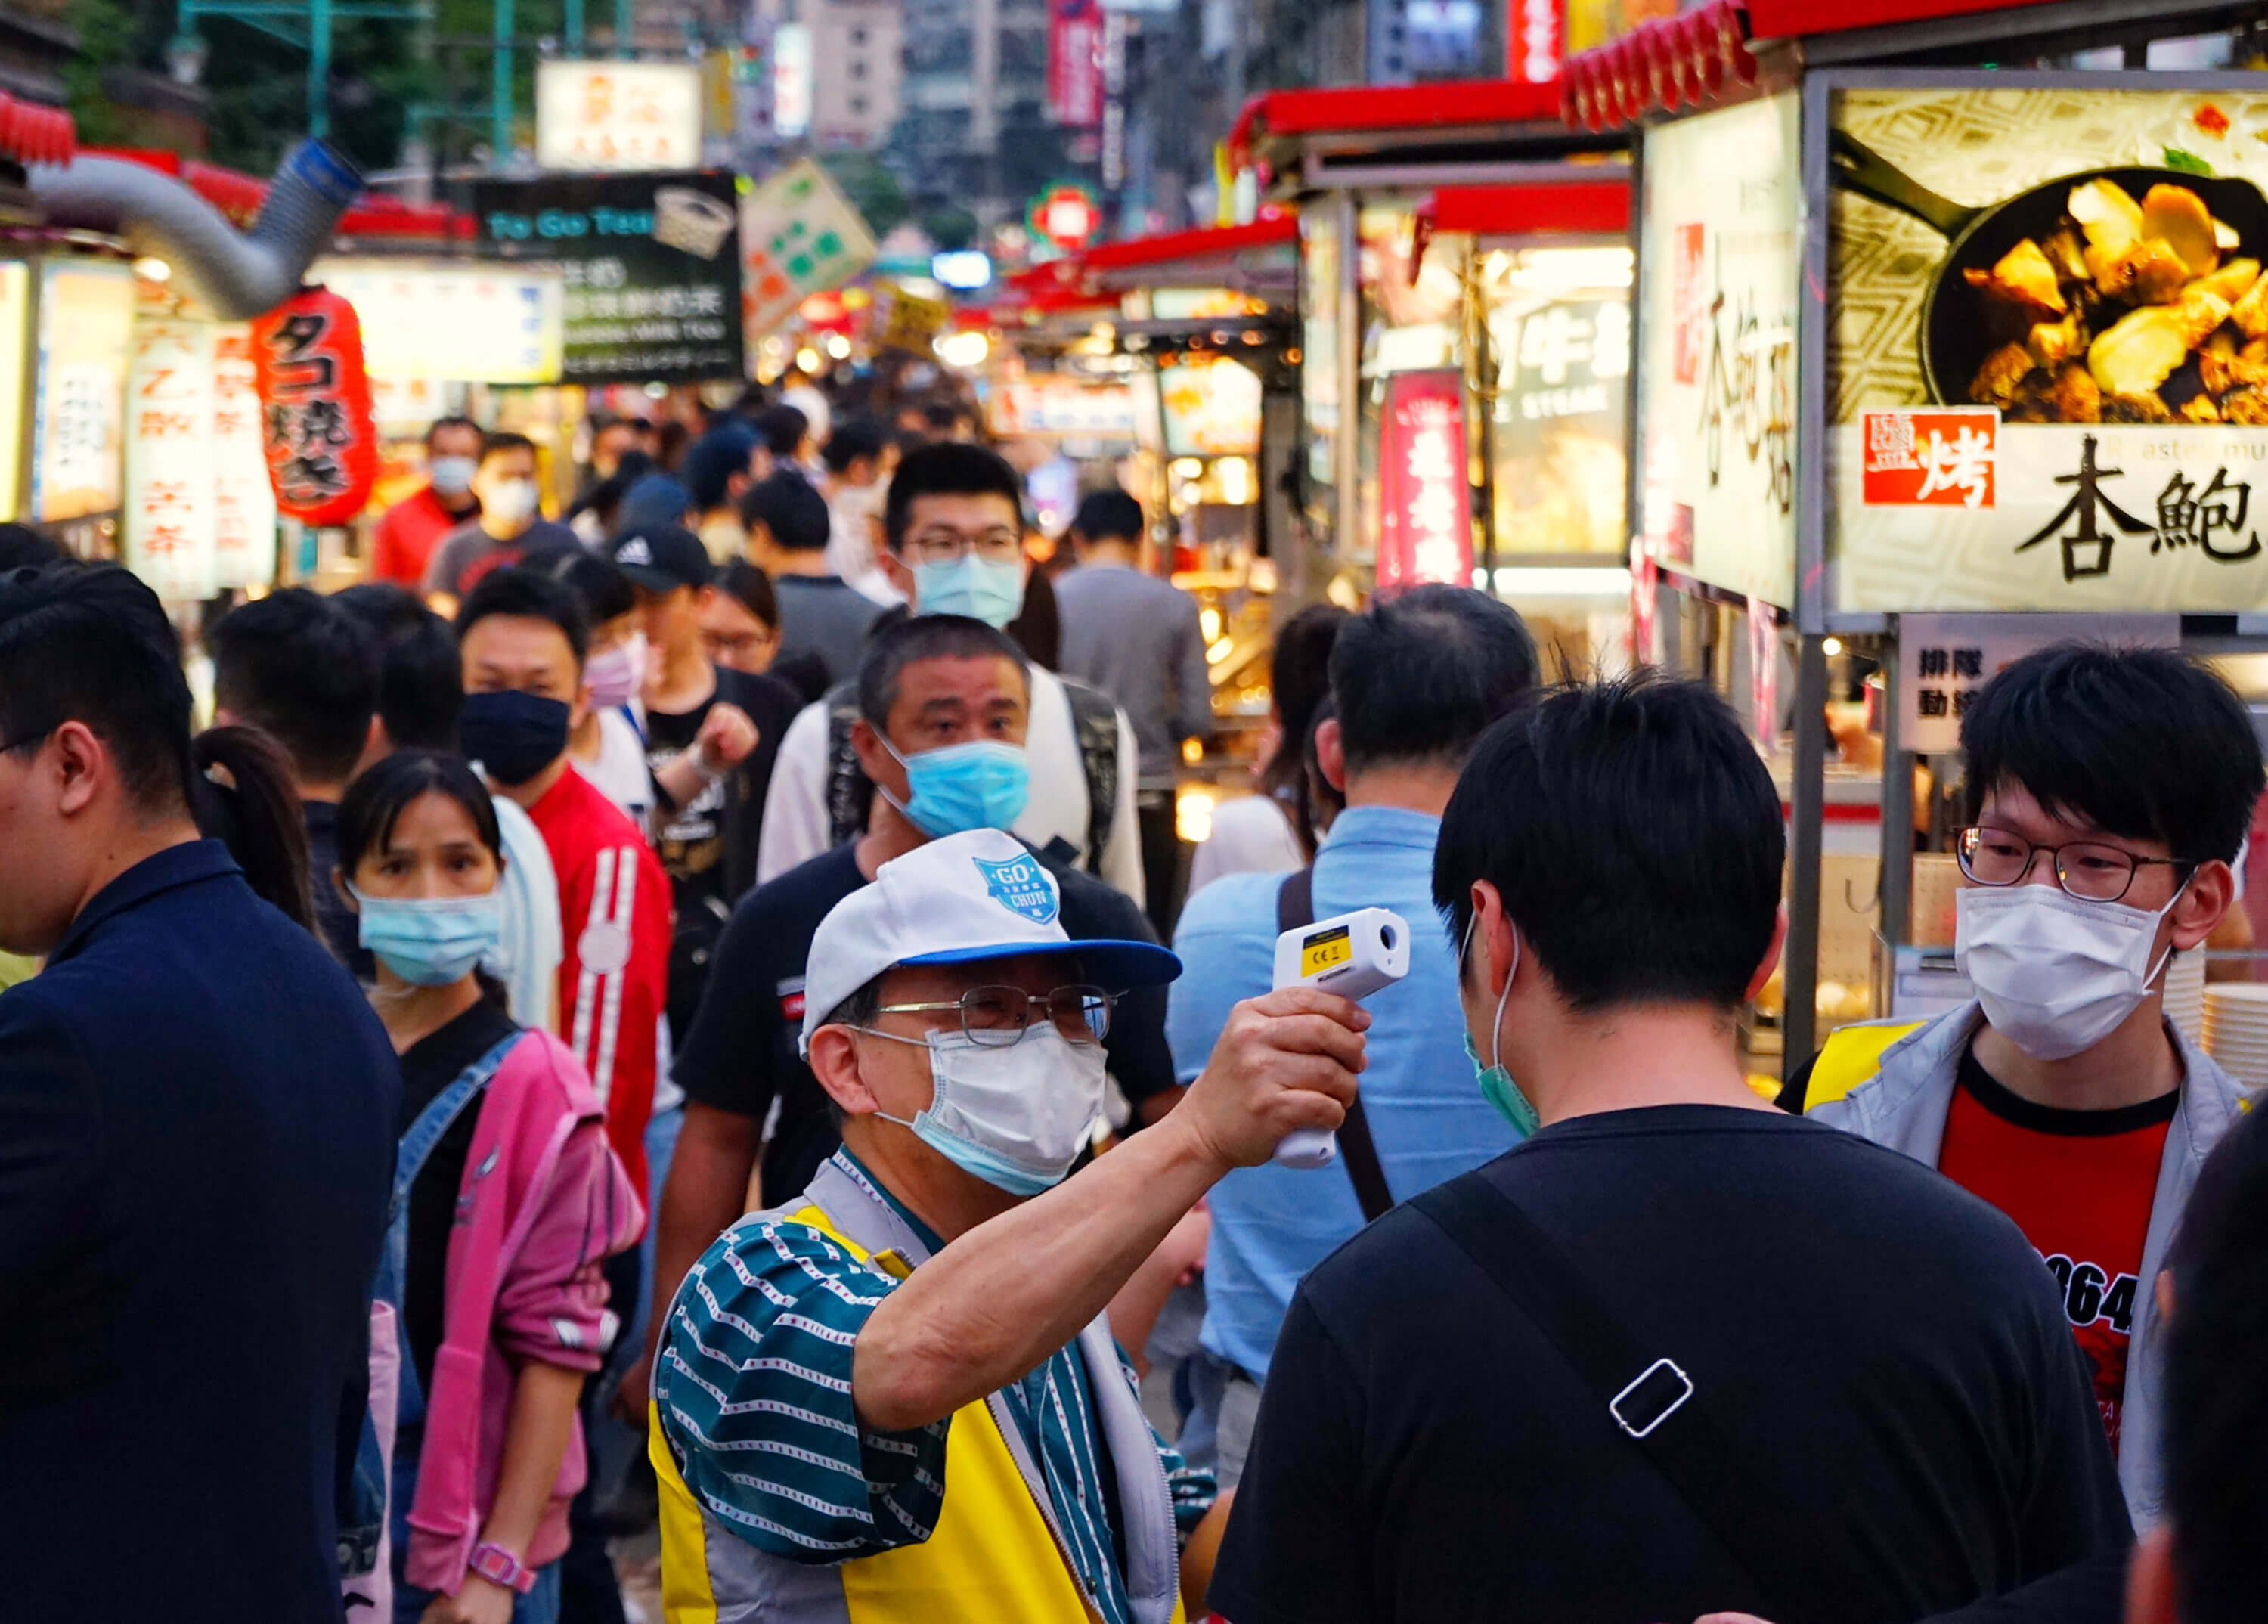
{"x":994,"y":1017}
{"x":999,"y":546}
{"x":2085,"y":869}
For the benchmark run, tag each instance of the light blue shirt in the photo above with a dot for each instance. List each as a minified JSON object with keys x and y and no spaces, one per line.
{"x":1271,"y":1224}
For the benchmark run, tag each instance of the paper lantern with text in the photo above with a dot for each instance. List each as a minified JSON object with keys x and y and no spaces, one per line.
{"x":317,"y":429}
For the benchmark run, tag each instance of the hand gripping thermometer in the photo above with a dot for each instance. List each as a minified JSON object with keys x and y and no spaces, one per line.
{"x":1353,"y":956}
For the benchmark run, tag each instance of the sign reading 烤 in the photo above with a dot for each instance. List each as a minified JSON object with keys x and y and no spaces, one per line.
{"x":1426,"y":532}
{"x":1941,"y":457}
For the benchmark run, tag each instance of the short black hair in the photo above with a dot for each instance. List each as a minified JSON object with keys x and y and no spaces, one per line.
{"x":2216,"y":1416}
{"x":947,"y":468}
{"x":504,"y":439}
{"x":1634,"y":836}
{"x":1418,"y":676}
{"x":91,"y":644}
{"x":1108,"y":516}
{"x":752,"y":589}
{"x":442,"y":425}
{"x":23,"y":547}
{"x":526,"y":592}
{"x":2142,"y":743}
{"x":421,"y":682}
{"x":599,"y":585}
{"x":304,"y":670}
{"x":891,"y":649}
{"x":713,"y":460}
{"x":790,"y":510}
{"x":854,"y":437}
{"x":783,"y":428}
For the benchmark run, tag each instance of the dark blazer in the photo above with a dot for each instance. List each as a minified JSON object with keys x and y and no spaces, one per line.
{"x":197,"y":1119}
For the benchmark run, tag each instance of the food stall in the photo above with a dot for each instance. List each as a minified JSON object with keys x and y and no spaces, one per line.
{"x":1464,"y":288}
{"x":1935,"y":365}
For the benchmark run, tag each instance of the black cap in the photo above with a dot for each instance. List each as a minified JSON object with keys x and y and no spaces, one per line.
{"x":786,"y":505}
{"x":662,"y":558}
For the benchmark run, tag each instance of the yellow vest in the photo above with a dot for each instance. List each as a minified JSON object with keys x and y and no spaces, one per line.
{"x":992,"y":1560}
{"x":1852,"y":1056}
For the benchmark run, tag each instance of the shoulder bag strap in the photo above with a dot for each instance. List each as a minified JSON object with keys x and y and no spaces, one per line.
{"x":849,"y":797}
{"x":1295,"y":906}
{"x":1642,"y":1392}
{"x":1094,"y":724}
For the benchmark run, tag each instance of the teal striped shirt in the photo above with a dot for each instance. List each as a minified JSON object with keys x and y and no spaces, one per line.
{"x":753,"y":1390}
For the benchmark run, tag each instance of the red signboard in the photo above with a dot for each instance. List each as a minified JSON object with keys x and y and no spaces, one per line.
{"x":316,"y":425}
{"x":1931,"y":458}
{"x":1075,"y":63}
{"x":1537,"y":40}
{"x":1426,"y":532}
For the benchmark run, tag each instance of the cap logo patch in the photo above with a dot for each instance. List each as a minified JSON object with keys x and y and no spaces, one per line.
{"x":634,"y":551}
{"x":1021,"y":886}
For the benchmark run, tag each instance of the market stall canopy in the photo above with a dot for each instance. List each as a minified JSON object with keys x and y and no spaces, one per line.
{"x":373,"y":219}
{"x":1479,"y":131}
{"x":1574,"y":209}
{"x":1260,"y":258}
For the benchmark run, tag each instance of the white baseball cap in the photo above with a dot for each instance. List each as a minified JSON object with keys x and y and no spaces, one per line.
{"x":960,"y":900}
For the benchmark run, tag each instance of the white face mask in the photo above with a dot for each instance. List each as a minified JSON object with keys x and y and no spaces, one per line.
{"x":2055,"y":975}
{"x":511,"y":500}
{"x":1016,"y":1118}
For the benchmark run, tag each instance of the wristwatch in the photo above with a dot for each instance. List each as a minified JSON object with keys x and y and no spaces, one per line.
{"x":499,"y":1566}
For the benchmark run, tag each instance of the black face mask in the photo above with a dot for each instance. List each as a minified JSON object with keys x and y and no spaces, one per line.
{"x":514,"y":736}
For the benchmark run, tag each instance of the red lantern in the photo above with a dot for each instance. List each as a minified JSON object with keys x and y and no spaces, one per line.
{"x":316,"y":424}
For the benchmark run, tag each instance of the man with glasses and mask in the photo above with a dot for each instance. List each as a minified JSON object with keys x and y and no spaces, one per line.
{"x":2108,"y":792}
{"x":954,"y":524}
{"x":894,"y":1397}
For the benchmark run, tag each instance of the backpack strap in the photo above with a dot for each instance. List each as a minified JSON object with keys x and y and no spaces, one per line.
{"x":1295,"y":908}
{"x":1094,"y":725}
{"x":849,"y":794}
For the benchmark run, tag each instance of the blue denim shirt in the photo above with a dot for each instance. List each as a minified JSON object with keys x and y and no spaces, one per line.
{"x":1271,"y":1224}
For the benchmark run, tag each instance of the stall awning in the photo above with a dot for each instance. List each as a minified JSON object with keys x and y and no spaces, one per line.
{"x":1211,"y":256}
{"x":239,"y":196}
{"x":32,"y":133}
{"x":1478,"y":128}
{"x":1176,"y":251}
{"x":1587,"y":207}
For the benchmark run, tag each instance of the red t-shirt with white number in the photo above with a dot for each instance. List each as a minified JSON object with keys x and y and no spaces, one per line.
{"x":2079,"y":1185}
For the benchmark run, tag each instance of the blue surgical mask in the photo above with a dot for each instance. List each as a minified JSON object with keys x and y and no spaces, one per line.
{"x":971,"y":586}
{"x":1495,"y":1079}
{"x":430,"y":940}
{"x":983,"y":784}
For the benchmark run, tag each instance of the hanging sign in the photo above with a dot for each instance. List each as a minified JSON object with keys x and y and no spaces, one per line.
{"x":799,"y":235}
{"x":1065,"y":215}
{"x":1425,"y":495}
{"x":1075,"y":63}
{"x":318,"y":434}
{"x":78,"y":430}
{"x":617,"y":115}
{"x":244,"y":505}
{"x":168,"y":529}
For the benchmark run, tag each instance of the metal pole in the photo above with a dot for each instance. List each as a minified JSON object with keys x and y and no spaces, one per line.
{"x":574,"y":27}
{"x":1482,"y":377}
{"x":500,"y":89}
{"x":1807,"y":808}
{"x":1897,"y":827}
{"x":1346,"y":462}
{"x":318,"y":67}
{"x":623,"y":28}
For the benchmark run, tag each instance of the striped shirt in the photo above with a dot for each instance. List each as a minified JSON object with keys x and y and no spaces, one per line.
{"x":753,"y":1390}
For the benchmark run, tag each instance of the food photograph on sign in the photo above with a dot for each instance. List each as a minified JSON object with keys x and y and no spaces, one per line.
{"x":2047,"y":372}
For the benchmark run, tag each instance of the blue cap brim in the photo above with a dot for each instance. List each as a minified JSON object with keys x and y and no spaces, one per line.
{"x":1114,"y":966}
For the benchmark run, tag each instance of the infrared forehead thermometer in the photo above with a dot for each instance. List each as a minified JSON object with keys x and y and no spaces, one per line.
{"x":1353,"y":956}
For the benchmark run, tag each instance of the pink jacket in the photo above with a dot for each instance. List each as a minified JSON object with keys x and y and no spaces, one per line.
{"x":543,"y":1200}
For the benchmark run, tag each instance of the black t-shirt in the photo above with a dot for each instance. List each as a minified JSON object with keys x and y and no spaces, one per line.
{"x":1886,"y":1345}
{"x":741,"y":1055}
{"x":429,"y":1065}
{"x":708,"y":846}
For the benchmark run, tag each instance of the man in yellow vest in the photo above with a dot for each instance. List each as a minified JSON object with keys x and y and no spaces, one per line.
{"x":2108,"y":796}
{"x":895,"y":1399}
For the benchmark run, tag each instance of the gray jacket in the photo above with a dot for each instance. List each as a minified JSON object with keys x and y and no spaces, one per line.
{"x":1903,"y":1107}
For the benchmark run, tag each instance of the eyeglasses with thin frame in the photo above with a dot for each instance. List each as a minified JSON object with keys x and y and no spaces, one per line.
{"x":2087,"y":869}
{"x":1000,"y":545}
{"x":995,"y":1018}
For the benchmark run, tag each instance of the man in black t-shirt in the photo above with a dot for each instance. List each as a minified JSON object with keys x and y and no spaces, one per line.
{"x":932,"y":683}
{"x":1844,"y":1389}
{"x":711,"y":737}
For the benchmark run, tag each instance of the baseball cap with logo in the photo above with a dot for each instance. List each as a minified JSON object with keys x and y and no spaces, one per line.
{"x":662,"y":558}
{"x":961,"y":900}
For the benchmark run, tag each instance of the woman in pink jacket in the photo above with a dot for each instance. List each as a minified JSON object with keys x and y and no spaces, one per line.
{"x":507,"y":1199}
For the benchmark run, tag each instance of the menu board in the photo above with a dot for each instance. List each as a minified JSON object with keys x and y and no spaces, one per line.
{"x":1719,"y":262}
{"x":1212,"y":408}
{"x":2047,"y":365}
{"x":650,"y":266}
{"x":78,"y":426}
{"x":1562,"y":387}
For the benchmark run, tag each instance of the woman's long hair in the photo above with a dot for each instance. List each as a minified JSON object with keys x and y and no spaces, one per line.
{"x":242,"y":795}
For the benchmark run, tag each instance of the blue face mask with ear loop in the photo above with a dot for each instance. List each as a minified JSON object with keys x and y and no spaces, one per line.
{"x":984,"y":784}
{"x":1495,"y":1079}
{"x":976,"y":587}
{"x":430,"y":940}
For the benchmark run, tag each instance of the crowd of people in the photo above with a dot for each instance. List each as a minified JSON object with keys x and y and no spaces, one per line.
{"x":663,"y":1018}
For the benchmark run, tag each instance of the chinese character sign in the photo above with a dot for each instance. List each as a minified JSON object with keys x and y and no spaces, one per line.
{"x":168,"y":527}
{"x":1943,"y":660}
{"x":1075,"y":62}
{"x":474,"y":323}
{"x":1425,"y":491}
{"x":316,"y":428}
{"x":244,"y":504}
{"x":79,"y":437}
{"x":617,"y":115}
{"x":799,"y":235}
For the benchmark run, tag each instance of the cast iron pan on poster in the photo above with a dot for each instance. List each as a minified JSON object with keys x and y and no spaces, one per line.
{"x":1957,"y":332}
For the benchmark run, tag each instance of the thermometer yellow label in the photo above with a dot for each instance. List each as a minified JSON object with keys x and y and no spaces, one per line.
{"x":1325,"y":951}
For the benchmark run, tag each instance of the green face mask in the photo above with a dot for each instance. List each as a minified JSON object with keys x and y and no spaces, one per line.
{"x":1496,"y":1084}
